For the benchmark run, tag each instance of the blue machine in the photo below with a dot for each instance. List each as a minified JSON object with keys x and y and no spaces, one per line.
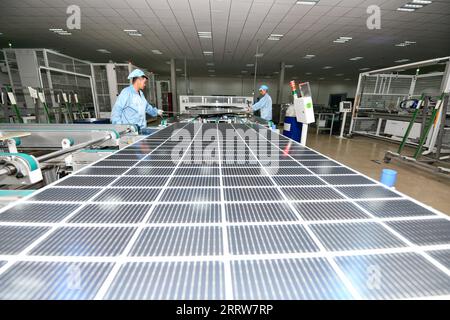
{"x":292,"y":128}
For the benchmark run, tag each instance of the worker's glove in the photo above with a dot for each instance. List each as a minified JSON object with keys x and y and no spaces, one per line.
{"x":160,"y":112}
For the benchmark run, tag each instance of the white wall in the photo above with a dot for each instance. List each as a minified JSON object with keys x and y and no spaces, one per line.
{"x":244,"y":86}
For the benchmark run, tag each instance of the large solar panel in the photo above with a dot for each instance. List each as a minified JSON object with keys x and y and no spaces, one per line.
{"x":221,"y":211}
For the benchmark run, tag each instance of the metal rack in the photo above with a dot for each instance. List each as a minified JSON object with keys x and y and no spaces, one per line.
{"x":379,"y":93}
{"x":53,"y":72}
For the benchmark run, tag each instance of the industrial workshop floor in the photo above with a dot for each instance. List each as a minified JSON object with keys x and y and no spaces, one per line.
{"x":359,"y":153}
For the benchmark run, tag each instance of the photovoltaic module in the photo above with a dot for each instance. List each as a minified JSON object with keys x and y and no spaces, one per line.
{"x":221,"y":211}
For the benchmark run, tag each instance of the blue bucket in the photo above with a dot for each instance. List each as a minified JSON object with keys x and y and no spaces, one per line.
{"x":388,"y":177}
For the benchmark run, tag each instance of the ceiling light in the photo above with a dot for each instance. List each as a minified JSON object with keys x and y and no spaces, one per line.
{"x":259,"y":55}
{"x":210,"y":64}
{"x":308,"y":73}
{"x":205,"y":34}
{"x":309,"y":56}
{"x":55,"y":29}
{"x":339,"y":74}
{"x":405,"y":43}
{"x":289,"y":66}
{"x":343,"y":39}
{"x":178,"y":70}
{"x":275,"y":37}
{"x":327,"y":67}
{"x":364,"y":69}
{"x":356,"y":58}
{"x":250,"y":65}
{"x":309,"y":2}
{"x":244,"y":71}
{"x":211,"y":70}
{"x":412,"y":5}
{"x":103,"y":51}
{"x":406,"y":9}
{"x":212,"y":75}
{"x":423,"y":1}
{"x":402,"y":60}
{"x":347,"y":79}
{"x":321,"y":78}
{"x":156,"y":52}
{"x":133,"y":32}
{"x":208,"y":53}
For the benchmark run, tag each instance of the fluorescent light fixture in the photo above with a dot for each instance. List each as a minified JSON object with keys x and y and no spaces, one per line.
{"x":156,"y":52}
{"x":339,"y":74}
{"x":55,"y":29}
{"x":308,"y":73}
{"x":208,"y":53}
{"x":211,"y":70}
{"x":402,"y":60}
{"x":364,"y":69}
{"x":356,"y":58}
{"x":327,"y":67}
{"x":321,"y":78}
{"x":343,"y":39}
{"x":259,"y":55}
{"x":244,"y":71}
{"x":347,"y":79}
{"x":210,"y":64}
{"x":406,"y":9}
{"x":289,"y":66}
{"x":250,"y":65}
{"x":423,"y":1}
{"x":309,"y":56}
{"x":412,"y":5}
{"x":275,"y":37}
{"x":103,"y":51}
{"x":178,"y":70}
{"x":405,"y":43}
{"x":309,"y":2}
{"x":133,"y":32}
{"x":205,"y":34}
{"x":212,"y":75}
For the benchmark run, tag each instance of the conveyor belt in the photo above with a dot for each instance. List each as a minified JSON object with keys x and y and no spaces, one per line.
{"x":222,"y":221}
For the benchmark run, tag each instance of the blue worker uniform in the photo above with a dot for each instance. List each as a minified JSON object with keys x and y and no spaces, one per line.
{"x":131,"y":107}
{"x":265,"y":105}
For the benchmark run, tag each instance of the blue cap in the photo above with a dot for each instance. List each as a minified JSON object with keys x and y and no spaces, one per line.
{"x":264,"y":87}
{"x":136,"y":73}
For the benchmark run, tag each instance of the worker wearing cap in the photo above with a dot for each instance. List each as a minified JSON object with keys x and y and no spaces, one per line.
{"x":264,"y":104}
{"x":131,"y":105}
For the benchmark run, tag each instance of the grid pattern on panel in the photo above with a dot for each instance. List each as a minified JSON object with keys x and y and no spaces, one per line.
{"x":190,"y":212}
